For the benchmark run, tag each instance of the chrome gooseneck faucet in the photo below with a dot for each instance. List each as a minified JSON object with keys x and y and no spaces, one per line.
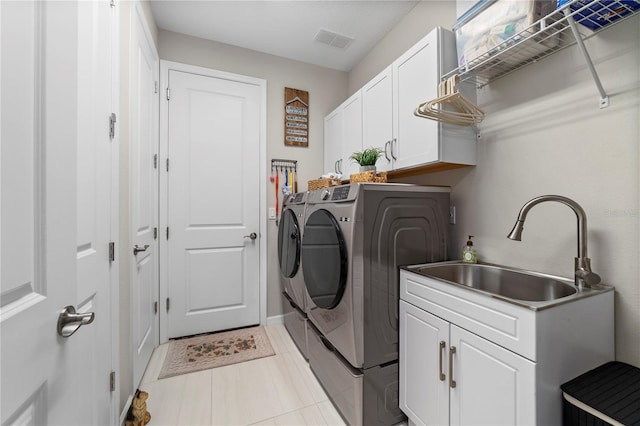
{"x":584,"y":277}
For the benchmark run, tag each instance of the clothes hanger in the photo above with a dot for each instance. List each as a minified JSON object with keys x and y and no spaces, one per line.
{"x":460,"y":110}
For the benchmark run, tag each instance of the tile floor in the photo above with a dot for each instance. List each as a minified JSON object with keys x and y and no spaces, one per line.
{"x":276,"y":390}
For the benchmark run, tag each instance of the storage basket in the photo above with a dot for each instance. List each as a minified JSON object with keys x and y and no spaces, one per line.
{"x":597,"y":14}
{"x":370,"y":176}
{"x":322,"y":183}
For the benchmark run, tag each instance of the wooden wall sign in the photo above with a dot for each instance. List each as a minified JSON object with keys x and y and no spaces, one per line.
{"x":296,"y":117}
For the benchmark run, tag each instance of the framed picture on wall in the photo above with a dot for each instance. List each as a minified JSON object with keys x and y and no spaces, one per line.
{"x":296,"y":117}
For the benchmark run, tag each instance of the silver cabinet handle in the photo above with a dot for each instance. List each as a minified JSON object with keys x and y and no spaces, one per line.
{"x":440,"y":373}
{"x":252,"y":235}
{"x":137,"y":249}
{"x":386,"y":145}
{"x":452,"y":351}
{"x":393,"y":141}
{"x":69,"y":321}
{"x":335,"y":166}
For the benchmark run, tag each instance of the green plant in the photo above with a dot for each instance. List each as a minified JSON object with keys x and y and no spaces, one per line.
{"x":368,"y":157}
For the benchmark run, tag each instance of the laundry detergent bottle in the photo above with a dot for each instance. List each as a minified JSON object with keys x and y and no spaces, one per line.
{"x":469,"y":254}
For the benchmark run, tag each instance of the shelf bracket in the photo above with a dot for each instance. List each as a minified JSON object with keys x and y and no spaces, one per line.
{"x":604,"y":98}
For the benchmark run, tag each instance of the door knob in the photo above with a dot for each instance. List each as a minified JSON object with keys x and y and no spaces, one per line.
{"x":137,"y":249}
{"x":69,"y":321}
{"x":252,"y":235}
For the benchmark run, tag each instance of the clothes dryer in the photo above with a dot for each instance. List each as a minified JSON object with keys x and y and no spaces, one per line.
{"x":355,"y":238}
{"x":290,"y":231}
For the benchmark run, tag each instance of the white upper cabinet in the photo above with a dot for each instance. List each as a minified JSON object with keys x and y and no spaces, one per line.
{"x":377,"y":116}
{"x":416,"y":76}
{"x":387,"y":114}
{"x":332,"y":141}
{"x":343,"y":136}
{"x":351,"y":134}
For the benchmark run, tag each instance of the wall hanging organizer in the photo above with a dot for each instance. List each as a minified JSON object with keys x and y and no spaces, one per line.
{"x":284,"y":174}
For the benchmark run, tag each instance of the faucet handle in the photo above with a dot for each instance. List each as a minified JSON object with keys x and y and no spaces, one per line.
{"x":589,"y":278}
{"x":583,"y":274}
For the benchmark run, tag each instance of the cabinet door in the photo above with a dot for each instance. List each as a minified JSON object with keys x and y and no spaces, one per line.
{"x":351,"y":134}
{"x":494,"y":386}
{"x":377,"y":116}
{"x":332,"y":141}
{"x":424,"y":386}
{"x":416,"y":77}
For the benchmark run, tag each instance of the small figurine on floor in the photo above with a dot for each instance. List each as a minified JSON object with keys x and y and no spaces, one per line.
{"x":138,"y":414}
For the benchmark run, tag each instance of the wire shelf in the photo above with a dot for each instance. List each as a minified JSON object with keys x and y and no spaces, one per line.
{"x":548,"y":35}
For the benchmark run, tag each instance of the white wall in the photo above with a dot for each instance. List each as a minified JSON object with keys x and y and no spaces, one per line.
{"x":544,"y":134}
{"x":424,"y":17}
{"x":327,"y":88}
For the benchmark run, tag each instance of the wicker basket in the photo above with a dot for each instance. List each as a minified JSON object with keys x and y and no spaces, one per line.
{"x":322,"y":183}
{"x":370,"y":176}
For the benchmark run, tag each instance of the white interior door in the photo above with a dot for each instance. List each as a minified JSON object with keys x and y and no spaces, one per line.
{"x":144,"y":194}
{"x":213,"y":209}
{"x":56,"y":195}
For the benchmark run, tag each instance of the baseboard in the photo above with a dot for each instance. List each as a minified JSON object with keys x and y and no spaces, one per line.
{"x":123,"y":415}
{"x":276,"y":319}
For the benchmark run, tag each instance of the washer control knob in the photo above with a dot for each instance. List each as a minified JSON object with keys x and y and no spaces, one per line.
{"x":325,"y":195}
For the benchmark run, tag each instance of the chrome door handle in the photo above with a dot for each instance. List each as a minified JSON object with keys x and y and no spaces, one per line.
{"x":137,"y":249}
{"x":252,"y":235}
{"x":69,"y":321}
{"x":394,"y":141}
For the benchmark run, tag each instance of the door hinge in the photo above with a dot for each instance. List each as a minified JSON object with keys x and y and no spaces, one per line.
{"x":167,"y":164}
{"x":168,"y":94}
{"x":112,"y":381}
{"x":167,"y":232}
{"x":155,"y":87}
{"x":155,"y":233}
{"x":155,"y":161}
{"x":168,"y":304}
{"x":112,"y":251}
{"x":155,"y":307}
{"x":112,"y":126}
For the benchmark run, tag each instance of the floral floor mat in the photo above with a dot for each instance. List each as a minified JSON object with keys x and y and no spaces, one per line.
{"x":207,"y":351}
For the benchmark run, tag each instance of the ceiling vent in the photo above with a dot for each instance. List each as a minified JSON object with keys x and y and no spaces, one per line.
{"x":333,"y":39}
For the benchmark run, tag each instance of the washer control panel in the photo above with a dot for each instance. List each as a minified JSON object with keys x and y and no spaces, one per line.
{"x":340,"y":193}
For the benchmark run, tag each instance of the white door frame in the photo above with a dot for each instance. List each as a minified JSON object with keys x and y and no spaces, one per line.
{"x":165,"y":67}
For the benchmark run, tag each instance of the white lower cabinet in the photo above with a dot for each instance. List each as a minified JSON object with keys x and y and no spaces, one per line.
{"x":468,"y":358}
{"x":451,"y":376}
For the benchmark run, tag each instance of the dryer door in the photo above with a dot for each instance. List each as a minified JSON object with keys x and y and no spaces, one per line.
{"x":289,"y":244}
{"x":325,"y":259}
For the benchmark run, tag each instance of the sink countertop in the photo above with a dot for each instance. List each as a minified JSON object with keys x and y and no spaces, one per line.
{"x":423,"y":270}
